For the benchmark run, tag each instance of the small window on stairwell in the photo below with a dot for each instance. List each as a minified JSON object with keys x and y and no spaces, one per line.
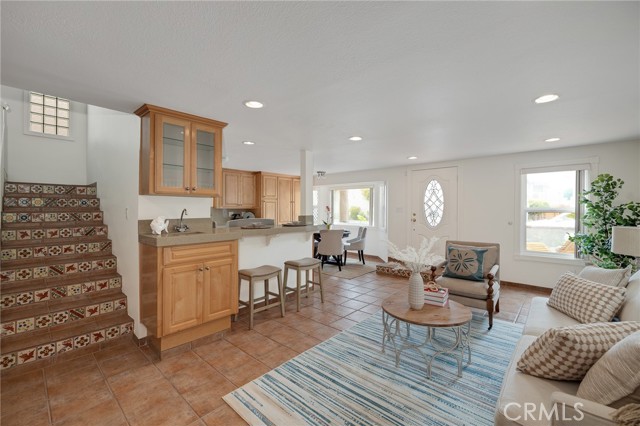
{"x":47,"y":115}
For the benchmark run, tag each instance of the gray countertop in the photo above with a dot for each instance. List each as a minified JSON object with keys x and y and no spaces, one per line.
{"x":200,"y":232}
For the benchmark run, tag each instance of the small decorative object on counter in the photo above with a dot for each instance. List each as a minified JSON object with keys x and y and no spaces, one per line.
{"x":158,"y":225}
{"x":416,"y":261}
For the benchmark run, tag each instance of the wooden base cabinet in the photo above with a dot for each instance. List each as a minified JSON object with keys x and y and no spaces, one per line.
{"x":188,"y":292}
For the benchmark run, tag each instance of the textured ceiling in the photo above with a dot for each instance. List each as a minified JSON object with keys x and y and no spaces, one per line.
{"x":439,"y":80}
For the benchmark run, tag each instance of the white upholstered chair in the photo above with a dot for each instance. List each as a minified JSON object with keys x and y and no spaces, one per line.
{"x":330,"y":244}
{"x":480,"y":291}
{"x":356,"y":244}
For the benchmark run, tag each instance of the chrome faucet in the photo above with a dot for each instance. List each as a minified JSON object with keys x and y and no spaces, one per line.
{"x":181,"y":227}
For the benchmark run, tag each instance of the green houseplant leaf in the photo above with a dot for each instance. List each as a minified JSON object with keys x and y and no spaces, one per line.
{"x":600,"y":215}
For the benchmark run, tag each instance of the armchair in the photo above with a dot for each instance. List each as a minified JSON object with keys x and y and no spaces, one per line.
{"x":480,"y":291}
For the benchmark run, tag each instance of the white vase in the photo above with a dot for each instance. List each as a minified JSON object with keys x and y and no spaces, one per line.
{"x":416,"y":291}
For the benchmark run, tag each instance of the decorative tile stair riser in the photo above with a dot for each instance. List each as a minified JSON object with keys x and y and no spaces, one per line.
{"x":348,"y":380}
{"x":59,"y":289}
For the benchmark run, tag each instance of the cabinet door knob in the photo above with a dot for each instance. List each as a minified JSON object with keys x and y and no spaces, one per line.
{"x":206,"y":268}
{"x":200,"y":269}
{"x":193,"y":188}
{"x":186,"y":188}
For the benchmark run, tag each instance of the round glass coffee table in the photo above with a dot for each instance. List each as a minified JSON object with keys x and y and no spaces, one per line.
{"x":454,"y":316}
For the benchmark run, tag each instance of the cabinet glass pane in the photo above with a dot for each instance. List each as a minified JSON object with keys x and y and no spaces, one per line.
{"x":172,"y":155}
{"x":205,"y":145}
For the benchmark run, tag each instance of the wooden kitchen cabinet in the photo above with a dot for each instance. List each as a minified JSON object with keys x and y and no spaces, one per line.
{"x":239,"y":189}
{"x":180,"y":154}
{"x":188,"y":292}
{"x":280,"y":197}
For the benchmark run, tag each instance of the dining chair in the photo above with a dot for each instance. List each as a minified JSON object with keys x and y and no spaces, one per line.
{"x":330,"y":244}
{"x":356,"y":244}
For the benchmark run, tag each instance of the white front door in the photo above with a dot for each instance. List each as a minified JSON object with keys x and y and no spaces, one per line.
{"x":433,"y":206}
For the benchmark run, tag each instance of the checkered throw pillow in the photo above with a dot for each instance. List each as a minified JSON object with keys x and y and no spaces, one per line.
{"x":567,"y":353}
{"x":585,"y":300}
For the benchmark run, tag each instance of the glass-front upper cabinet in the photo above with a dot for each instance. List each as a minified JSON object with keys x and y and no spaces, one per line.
{"x":180,"y":154}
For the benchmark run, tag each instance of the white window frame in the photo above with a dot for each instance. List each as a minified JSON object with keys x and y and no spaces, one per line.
{"x":26,"y":120}
{"x":378,"y":200}
{"x":588,"y":164}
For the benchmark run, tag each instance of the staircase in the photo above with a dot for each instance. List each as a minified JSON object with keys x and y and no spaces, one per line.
{"x":60,"y":290}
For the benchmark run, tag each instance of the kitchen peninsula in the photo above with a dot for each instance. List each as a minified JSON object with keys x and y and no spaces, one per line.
{"x":189,"y":280}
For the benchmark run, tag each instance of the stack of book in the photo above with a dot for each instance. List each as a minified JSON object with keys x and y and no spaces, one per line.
{"x":437,"y":298}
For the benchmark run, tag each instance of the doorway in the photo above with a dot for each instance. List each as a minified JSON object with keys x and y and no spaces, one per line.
{"x":433,"y":206}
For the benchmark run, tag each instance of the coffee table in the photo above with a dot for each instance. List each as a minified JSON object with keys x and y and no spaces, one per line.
{"x":455,"y":316}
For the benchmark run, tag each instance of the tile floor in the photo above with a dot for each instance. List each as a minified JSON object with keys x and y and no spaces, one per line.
{"x":127,"y":385}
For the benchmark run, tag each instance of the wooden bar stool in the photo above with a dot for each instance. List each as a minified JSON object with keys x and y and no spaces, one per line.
{"x":307,"y":264}
{"x":264,"y":272}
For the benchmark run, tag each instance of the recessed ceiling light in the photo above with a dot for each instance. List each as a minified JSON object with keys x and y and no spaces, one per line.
{"x":546,"y":98}
{"x":413,"y":157}
{"x":253,"y":104}
{"x":552,"y":140}
{"x":355,"y":138}
{"x":248,"y":143}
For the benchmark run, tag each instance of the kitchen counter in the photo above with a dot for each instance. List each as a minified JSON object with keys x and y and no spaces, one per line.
{"x":200,"y":232}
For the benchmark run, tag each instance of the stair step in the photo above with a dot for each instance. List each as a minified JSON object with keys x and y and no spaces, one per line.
{"x":51,"y":232}
{"x":48,"y":188}
{"x":24,"y":319}
{"x":69,"y":267}
{"x":21,"y":293}
{"x":47,"y":343}
{"x":70,"y":218}
{"x":10,"y":202}
{"x":51,"y":252}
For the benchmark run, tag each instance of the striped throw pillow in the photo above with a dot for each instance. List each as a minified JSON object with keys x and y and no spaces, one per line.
{"x":567,"y":353}
{"x":584,"y":300}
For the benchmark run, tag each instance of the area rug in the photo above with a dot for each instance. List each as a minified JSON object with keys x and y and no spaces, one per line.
{"x":347,"y":380}
{"x":349,"y":271}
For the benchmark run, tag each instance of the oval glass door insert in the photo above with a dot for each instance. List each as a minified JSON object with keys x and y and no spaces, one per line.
{"x":433,"y":203}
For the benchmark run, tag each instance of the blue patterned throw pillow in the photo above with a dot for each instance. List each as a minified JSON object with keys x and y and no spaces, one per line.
{"x":465,"y":264}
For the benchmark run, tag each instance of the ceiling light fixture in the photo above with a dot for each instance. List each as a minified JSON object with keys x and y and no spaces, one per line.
{"x":248,"y":143}
{"x":546,"y":98}
{"x":321,"y":174}
{"x":413,"y":157}
{"x":552,"y":140}
{"x":253,"y":104}
{"x":355,"y":138}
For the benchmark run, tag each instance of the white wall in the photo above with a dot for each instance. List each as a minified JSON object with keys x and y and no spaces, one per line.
{"x":487,"y":200}
{"x":112,"y":162}
{"x":152,"y":206}
{"x":40,"y":158}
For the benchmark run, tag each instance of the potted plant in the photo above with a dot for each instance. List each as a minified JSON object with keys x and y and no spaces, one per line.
{"x":599,"y":217}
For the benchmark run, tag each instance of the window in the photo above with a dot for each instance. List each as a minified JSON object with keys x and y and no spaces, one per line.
{"x":48,"y":115}
{"x":352,"y":206}
{"x":314,"y":204}
{"x":550,"y":211}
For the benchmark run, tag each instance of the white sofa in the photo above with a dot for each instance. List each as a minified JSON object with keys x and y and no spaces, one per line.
{"x":551,"y":402}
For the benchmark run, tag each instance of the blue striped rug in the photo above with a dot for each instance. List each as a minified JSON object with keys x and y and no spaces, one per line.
{"x":347,"y":380}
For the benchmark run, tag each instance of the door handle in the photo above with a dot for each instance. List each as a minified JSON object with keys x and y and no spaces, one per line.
{"x":413,"y":219}
{"x":200,"y":269}
{"x":193,"y":188}
{"x":206,"y":268}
